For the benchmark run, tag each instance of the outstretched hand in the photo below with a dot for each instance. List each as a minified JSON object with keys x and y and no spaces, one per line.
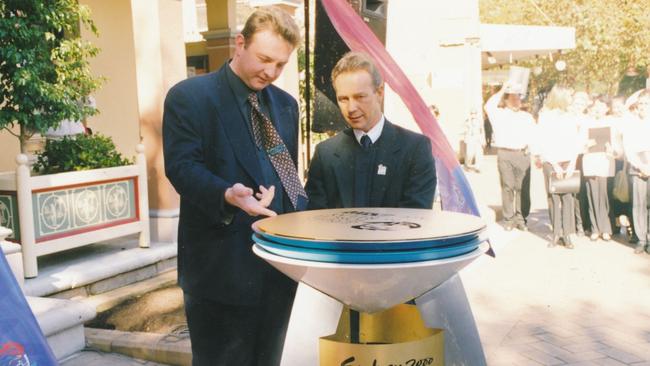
{"x":241,"y":196}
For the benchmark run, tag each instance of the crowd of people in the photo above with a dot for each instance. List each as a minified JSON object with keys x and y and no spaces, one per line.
{"x":594,"y":152}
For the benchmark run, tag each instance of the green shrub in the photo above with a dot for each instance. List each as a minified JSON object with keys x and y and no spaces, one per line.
{"x":81,"y":152}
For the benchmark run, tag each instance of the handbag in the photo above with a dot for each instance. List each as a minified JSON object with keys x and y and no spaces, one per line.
{"x":621,"y":190}
{"x":565,"y":185}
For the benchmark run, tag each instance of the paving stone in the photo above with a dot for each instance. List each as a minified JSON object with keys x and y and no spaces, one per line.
{"x":620,"y":355}
{"x":609,"y":362}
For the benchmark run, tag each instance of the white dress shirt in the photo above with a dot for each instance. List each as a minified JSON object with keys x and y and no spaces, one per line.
{"x":557,"y":137}
{"x":510,"y":129}
{"x":636,"y":141}
{"x":374,"y":132}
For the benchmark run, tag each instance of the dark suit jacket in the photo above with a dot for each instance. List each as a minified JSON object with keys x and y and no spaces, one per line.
{"x":410,"y":178}
{"x":208,"y":147}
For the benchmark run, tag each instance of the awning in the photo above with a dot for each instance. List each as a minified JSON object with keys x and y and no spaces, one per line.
{"x":509,"y":43}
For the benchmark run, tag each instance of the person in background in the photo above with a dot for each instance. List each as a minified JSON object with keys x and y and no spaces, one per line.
{"x":230,"y":142}
{"x":557,"y":146}
{"x":474,"y":137}
{"x":621,"y":216}
{"x":578,"y":109}
{"x":512,"y":134}
{"x":636,"y":145}
{"x":598,"y":165}
{"x":73,"y":127}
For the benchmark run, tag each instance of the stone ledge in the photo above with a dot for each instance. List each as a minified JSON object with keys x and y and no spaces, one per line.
{"x":110,"y":299}
{"x":56,"y":315}
{"x":91,"y":264}
{"x":162,"y":348}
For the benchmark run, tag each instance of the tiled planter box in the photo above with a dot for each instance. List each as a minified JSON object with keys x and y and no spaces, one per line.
{"x":56,"y":212}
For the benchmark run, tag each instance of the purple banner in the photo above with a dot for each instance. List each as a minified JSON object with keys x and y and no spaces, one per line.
{"x":21,"y":340}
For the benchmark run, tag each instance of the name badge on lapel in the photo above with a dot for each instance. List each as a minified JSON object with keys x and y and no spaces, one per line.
{"x":381,"y":169}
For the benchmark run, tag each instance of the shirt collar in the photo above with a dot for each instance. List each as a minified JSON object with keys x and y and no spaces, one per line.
{"x":239,"y":88}
{"x":374,"y":132}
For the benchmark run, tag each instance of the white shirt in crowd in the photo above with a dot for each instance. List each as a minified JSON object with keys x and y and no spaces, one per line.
{"x":557,"y":137}
{"x":636,"y":142}
{"x":510,"y":129}
{"x":599,"y":164}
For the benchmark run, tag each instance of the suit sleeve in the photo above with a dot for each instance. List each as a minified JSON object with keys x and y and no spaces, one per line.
{"x":420,"y":185}
{"x":315,"y":187}
{"x":185,"y":166}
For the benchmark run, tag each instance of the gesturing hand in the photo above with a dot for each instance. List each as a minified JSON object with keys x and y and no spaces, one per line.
{"x":241,"y":196}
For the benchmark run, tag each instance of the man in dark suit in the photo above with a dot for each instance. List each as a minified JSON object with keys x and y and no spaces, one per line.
{"x":225,"y":135}
{"x":374,"y":163}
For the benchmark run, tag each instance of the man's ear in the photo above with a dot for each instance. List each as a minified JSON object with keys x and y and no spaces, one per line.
{"x":380,"y":91}
{"x":240,"y":42}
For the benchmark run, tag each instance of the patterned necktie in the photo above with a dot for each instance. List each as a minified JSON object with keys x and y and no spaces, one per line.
{"x":267,"y":137}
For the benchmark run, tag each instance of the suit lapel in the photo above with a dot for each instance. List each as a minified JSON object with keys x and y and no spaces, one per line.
{"x":385,"y":162}
{"x":236,"y":128}
{"x":344,"y":168}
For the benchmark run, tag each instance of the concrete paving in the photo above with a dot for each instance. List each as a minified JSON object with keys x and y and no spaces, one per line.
{"x":553,"y":306}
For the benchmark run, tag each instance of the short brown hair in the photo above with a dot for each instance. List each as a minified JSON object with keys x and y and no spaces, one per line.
{"x":355,"y":61}
{"x":274,"y":19}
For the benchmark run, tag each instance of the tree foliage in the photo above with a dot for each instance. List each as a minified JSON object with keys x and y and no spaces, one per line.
{"x":612,"y":36}
{"x":44,"y":64}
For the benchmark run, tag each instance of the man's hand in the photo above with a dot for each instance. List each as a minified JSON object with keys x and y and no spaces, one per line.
{"x":241,"y":196}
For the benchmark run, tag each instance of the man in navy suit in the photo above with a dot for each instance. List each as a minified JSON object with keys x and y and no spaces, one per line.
{"x":230,"y":146}
{"x":374,"y":163}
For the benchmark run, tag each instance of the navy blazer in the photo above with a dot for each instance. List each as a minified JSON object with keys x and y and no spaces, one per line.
{"x":408,"y":179}
{"x":208,"y":147}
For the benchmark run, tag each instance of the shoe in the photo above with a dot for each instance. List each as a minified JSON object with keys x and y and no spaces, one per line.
{"x":522,"y":227}
{"x":568,"y":242}
{"x":593,"y":237}
{"x":553,"y":243}
{"x":639,"y":248}
{"x":607,"y":237}
{"x":581,"y":232}
{"x":508,"y":226}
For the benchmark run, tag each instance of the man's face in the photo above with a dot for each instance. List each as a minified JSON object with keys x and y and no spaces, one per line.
{"x":358,"y":99}
{"x":598,"y":109}
{"x":260,"y":62}
{"x":618,"y":107}
{"x":513,"y":101}
{"x":578,"y":105}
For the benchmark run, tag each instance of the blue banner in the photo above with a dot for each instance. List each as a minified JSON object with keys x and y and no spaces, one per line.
{"x":21,"y":340}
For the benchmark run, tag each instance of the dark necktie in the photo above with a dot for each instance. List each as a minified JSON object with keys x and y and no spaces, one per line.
{"x":267,"y":137}
{"x":366,"y":141}
{"x":362,"y":167}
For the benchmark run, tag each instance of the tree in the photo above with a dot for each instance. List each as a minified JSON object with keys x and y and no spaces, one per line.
{"x":611,"y":37}
{"x":44,"y":67}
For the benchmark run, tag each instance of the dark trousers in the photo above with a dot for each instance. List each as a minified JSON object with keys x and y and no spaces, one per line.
{"x":512,"y":167}
{"x":598,"y":205}
{"x":640,"y":209}
{"x":224,"y":334}
{"x":560,"y":208}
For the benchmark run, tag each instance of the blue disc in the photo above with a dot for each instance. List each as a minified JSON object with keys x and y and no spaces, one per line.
{"x":371,"y":245}
{"x":367,"y":257}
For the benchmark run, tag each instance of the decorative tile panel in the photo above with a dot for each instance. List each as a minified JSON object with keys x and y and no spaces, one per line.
{"x":9,"y":214}
{"x":69,"y":210}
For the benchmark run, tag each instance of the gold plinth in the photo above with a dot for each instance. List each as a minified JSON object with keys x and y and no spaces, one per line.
{"x":397,"y":336}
